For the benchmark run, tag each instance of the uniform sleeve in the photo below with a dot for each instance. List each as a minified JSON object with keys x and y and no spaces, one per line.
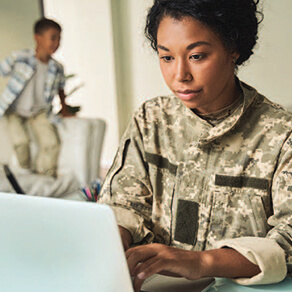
{"x":127,"y":186}
{"x":273,"y":253}
{"x":6,"y":65}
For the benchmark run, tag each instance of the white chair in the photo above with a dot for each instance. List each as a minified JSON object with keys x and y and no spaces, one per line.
{"x":79,"y":159}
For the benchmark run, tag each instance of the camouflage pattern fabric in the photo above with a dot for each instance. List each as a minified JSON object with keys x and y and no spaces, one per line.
{"x":178,"y":180}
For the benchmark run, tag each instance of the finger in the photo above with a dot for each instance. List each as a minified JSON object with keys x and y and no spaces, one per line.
{"x":137,"y":283}
{"x":139,"y":256}
{"x":146,"y":249}
{"x":135,"y":270}
{"x":170,"y":274}
{"x":135,"y":260}
{"x":136,"y":249}
{"x":142,"y":266}
{"x":151,"y":267}
{"x":166,"y":269}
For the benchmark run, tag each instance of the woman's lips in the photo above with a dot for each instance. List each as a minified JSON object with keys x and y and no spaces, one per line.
{"x":188,"y":94}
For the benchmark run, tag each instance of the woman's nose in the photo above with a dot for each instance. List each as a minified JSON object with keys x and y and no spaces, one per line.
{"x":183,"y":72}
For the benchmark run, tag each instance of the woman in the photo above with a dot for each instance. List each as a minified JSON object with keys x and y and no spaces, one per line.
{"x":205,"y":174}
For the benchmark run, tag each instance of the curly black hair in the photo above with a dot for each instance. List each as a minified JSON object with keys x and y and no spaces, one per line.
{"x":44,"y":24}
{"x":235,"y":21}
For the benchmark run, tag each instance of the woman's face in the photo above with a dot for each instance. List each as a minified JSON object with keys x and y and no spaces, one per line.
{"x":195,"y":64}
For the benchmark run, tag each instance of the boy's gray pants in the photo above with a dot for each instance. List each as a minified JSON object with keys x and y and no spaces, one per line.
{"x":47,"y":138}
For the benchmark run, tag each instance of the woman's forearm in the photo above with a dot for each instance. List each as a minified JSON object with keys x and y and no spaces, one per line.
{"x":227,"y":263}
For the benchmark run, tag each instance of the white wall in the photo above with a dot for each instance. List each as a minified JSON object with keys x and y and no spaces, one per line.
{"x":16,"y":27}
{"x":87,"y":50}
{"x":140,"y":77}
{"x":269,"y":70}
{"x":16,"y":24}
{"x":147,"y":80}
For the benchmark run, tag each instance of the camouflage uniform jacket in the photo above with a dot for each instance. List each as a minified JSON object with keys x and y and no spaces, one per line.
{"x":178,"y":180}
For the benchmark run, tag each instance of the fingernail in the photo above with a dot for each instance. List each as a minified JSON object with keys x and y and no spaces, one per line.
{"x":141,"y":276}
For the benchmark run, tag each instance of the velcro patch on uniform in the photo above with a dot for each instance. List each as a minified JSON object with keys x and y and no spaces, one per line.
{"x":186,"y":221}
{"x":160,"y":162}
{"x":241,"y":181}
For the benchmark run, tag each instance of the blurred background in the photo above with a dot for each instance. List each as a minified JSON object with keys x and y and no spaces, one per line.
{"x":103,"y":44}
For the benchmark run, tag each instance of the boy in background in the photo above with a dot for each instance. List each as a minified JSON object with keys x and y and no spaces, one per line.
{"x":35,"y":78}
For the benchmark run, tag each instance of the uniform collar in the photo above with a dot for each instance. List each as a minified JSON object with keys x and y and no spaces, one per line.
{"x":209,"y":133}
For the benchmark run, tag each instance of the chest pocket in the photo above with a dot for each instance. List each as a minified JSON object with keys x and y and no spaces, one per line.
{"x":208,"y":208}
{"x":241,"y":207}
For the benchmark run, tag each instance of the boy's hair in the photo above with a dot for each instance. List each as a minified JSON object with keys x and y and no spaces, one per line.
{"x":235,"y":21}
{"x":44,"y":24}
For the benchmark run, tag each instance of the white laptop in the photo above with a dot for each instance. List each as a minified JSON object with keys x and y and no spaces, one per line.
{"x":57,"y":245}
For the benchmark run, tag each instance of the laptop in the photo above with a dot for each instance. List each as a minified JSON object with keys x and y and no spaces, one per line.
{"x":50,"y":244}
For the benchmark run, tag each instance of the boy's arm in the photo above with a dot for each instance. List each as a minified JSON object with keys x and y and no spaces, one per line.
{"x":6,"y":65}
{"x":64,"y":111}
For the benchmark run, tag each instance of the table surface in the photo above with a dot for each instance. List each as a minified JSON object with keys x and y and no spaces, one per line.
{"x":229,"y":286}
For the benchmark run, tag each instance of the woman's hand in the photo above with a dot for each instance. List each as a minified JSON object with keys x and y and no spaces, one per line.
{"x":146,"y":260}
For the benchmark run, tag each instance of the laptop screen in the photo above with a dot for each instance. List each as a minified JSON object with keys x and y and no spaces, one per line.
{"x":58,"y":245}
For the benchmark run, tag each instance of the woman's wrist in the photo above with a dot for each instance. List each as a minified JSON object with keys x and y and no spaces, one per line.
{"x":227,"y":263}
{"x":126,"y":237}
{"x":206,"y":261}
{"x":202,"y":262}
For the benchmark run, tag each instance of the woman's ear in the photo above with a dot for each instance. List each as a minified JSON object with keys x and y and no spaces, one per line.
{"x":234,"y":57}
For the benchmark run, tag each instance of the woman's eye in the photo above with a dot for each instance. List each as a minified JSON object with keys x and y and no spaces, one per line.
{"x":196,"y":57}
{"x":166,"y":59}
